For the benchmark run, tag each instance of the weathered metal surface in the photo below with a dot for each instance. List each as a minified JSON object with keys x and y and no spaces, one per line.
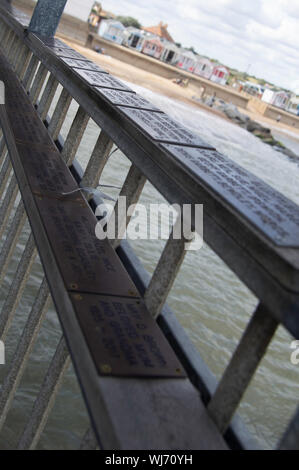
{"x":29,"y":131}
{"x":101,"y":80}
{"x":271,"y":213}
{"x":45,"y":170}
{"x":86,"y":263}
{"x":83,"y":64}
{"x":54,"y":42}
{"x":68,"y":52}
{"x":46,"y":17}
{"x":123,"y":338}
{"x":132,"y":100}
{"x":161,"y":127}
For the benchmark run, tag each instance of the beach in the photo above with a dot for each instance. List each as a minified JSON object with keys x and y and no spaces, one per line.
{"x":167,"y":88}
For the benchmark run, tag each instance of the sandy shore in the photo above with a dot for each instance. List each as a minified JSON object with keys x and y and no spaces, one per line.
{"x":166,"y":87}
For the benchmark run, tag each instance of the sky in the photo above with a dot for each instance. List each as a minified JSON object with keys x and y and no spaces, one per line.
{"x":259,"y":36}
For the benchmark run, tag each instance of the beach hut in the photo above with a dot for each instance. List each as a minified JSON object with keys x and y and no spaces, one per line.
{"x":220,"y":74}
{"x":293,"y":105}
{"x":152,"y":46}
{"x":186,"y":60}
{"x":133,"y":38}
{"x":112,"y":30}
{"x":170,"y":52}
{"x":279,"y":99}
{"x":204,"y":67}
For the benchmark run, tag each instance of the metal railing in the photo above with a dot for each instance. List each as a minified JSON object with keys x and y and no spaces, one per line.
{"x":242,"y":232}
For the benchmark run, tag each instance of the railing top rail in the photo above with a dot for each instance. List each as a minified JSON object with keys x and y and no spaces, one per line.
{"x":252,"y":227}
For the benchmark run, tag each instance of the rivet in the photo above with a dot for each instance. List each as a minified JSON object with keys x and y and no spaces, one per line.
{"x":106,"y":369}
{"x":78,"y":297}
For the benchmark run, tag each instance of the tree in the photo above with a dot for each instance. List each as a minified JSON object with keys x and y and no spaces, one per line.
{"x":129,"y":21}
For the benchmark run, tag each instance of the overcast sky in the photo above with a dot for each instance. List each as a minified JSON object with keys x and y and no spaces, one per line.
{"x":262,"y":35}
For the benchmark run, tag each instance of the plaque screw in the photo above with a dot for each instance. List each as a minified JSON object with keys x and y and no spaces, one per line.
{"x":74,"y":286}
{"x":106,"y":369}
{"x":178,"y":371}
{"x":131,"y":292}
{"x":78,"y":297}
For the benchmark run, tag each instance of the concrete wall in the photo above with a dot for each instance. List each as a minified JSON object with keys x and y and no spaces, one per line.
{"x":287,"y":118}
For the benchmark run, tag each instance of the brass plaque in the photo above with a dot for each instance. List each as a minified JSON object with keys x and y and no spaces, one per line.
{"x":67,"y":52}
{"x":46,"y":171}
{"x":82,"y":64}
{"x":28,"y":131}
{"x":87,"y":264}
{"x":268,"y":210}
{"x":101,"y":80}
{"x":162,"y":128}
{"x":123,"y":98}
{"x":123,"y":338}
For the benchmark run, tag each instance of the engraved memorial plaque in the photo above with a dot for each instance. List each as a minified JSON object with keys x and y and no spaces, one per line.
{"x":123,"y":338}
{"x":132,"y":100}
{"x":86,"y":263}
{"x":162,"y":128}
{"x":46,"y":171}
{"x":68,"y":52}
{"x":268,"y":210}
{"x":27,"y":131}
{"x":54,"y":42}
{"x":82,"y":64}
{"x":101,"y":80}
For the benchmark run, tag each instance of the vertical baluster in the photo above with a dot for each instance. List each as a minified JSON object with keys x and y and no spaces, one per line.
{"x":46,"y":397}
{"x":7,"y":41}
{"x":166,"y":271}
{"x":20,"y":53}
{"x":24,"y":64}
{"x":75,"y":135}
{"x":8,"y":203}
{"x":17,"y":287}
{"x":38,"y":83}
{"x":3,"y":33}
{"x":11,"y":48}
{"x":29,"y":74}
{"x":14,"y":51}
{"x":47,"y":97}
{"x":59,"y":114}
{"x":131,"y":190}
{"x":13,"y":234}
{"x":24,"y":348}
{"x":4,"y":174}
{"x":244,"y":362}
{"x":97,"y":160}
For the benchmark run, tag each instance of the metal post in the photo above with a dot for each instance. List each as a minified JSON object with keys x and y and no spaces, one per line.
{"x":46,"y":17}
{"x":97,"y":160}
{"x":24,"y":348}
{"x":46,"y":397}
{"x":245,"y":360}
{"x":131,"y":190}
{"x":166,"y":271}
{"x":17,"y":287}
{"x":75,"y":135}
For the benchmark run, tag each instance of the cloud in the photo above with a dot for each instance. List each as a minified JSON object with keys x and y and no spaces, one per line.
{"x":262,"y":33}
